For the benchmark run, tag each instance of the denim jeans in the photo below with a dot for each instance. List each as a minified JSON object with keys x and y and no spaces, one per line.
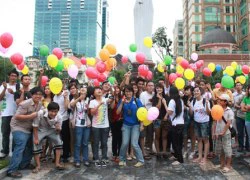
{"x":247,"y":124}
{"x":22,"y":153}
{"x":5,"y":128}
{"x":100,"y":134}
{"x":131,"y":132}
{"x":240,"y":123}
{"x":81,"y":140}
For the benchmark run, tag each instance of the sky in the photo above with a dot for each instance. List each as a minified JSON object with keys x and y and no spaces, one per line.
{"x":17,"y":18}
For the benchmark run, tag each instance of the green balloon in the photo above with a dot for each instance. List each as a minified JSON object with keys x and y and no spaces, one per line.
{"x":168,"y":60}
{"x":238,"y":70}
{"x":227,"y":82}
{"x":112,"y":80}
{"x":246,"y":76}
{"x":133,"y":47}
{"x":44,"y":50}
{"x":60,"y":66}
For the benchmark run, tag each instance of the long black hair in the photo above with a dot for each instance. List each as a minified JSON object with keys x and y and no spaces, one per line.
{"x":174,"y":94}
{"x":155,"y":98}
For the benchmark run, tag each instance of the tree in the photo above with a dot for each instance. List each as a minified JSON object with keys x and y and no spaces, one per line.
{"x":5,"y":67}
{"x":118,"y":74}
{"x":161,"y":43}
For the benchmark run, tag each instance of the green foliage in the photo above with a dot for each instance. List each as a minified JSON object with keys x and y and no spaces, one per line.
{"x":4,"y":163}
{"x":118,"y":74}
{"x":5,"y":69}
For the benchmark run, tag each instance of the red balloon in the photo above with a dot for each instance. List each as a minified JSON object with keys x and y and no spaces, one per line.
{"x":20,"y":66}
{"x":83,"y":60}
{"x":143,"y":70}
{"x":44,"y":81}
{"x":198,"y":64}
{"x":58,"y":53}
{"x":16,"y":58}
{"x":179,"y":75}
{"x":101,"y":77}
{"x":184,"y":63}
{"x":172,"y":77}
{"x":218,"y":85}
{"x":207,"y":72}
{"x":124,"y":59}
{"x":96,"y":83}
{"x":245,"y":69}
{"x":193,"y":67}
{"x":101,"y":67}
{"x":91,"y":72}
{"x":6,"y":40}
{"x":202,"y":62}
{"x":140,"y":58}
{"x":149,"y":75}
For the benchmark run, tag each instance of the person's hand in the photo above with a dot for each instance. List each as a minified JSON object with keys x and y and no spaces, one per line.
{"x":208,"y":85}
{"x":222,"y":133}
{"x":101,"y":103}
{"x":123,"y":99}
{"x":65,"y":94}
{"x":159,"y":95}
{"x":10,"y":91}
{"x":5,"y":85}
{"x":33,"y":115}
{"x":22,"y":90}
{"x":165,"y":118}
{"x":141,"y":128}
{"x":36,"y":142}
{"x":214,"y":136}
{"x":82,"y":96}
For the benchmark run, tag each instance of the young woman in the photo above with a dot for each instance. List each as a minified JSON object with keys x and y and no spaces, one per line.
{"x":131,"y":127}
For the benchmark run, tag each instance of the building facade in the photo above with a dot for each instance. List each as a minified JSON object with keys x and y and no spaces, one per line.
{"x":105,"y":22}
{"x":178,"y":38}
{"x":75,"y":24}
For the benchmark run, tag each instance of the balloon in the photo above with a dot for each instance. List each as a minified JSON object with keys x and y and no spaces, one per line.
{"x":207,"y":72}
{"x":133,"y":48}
{"x":189,"y":74}
{"x":101,"y":67}
{"x":143,"y":70}
{"x":44,"y":50}
{"x":73,"y":71}
{"x":153,"y":113}
{"x":184,"y":63}
{"x":149,"y":75}
{"x":44,"y":80}
{"x":193,"y":67}
{"x":238,"y":70}
{"x":168,"y":60}
{"x":194,"y":56}
{"x":245,"y":69}
{"x":112,"y":80}
{"x":160,"y":67}
{"x":67,"y":62}
{"x":83,"y":61}
{"x":179,"y":69}
{"x":172,"y":77}
{"x":242,"y":79}
{"x":91,"y":73}
{"x":111,"y":49}
{"x":218,"y":68}
{"x":148,"y":42}
{"x":217,"y":85}
{"x":104,"y":54}
{"x":179,"y":83}
{"x":230,"y":70}
{"x":198,"y":64}
{"x":234,"y":64}
{"x":55,"y":85}
{"x":178,"y":60}
{"x":217,"y":112}
{"x":3,"y":50}
{"x":142,"y":114}
{"x":6,"y":40}
{"x":111,"y":62}
{"x":58,"y":52}
{"x":227,"y":82}
{"x":101,"y":77}
{"x":140,"y":57}
{"x":20,"y":66}
{"x":146,"y":122}
{"x":96,"y":83}
{"x":211,"y":66}
{"x":124,"y":59}
{"x":52,"y":60}
{"x":179,"y":75}
{"x":91,"y":61}
{"x":60,"y":66}
{"x":246,"y":76}
{"x":16,"y":58}
{"x":25,"y":70}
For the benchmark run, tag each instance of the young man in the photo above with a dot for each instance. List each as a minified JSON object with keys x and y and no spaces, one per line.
{"x":47,"y":124}
{"x":21,"y":127}
{"x":8,"y":109}
{"x":24,"y":92}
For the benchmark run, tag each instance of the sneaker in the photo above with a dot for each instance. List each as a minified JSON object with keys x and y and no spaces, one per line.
{"x":3,"y":155}
{"x":122,"y":163}
{"x":185,"y":155}
{"x":86,"y":163}
{"x":106,"y":161}
{"x":129,"y":158}
{"x":176,"y":163}
{"x":71,"y":159}
{"x":103,"y":164}
{"x":77,"y":165}
{"x":172,"y":158}
{"x":15,"y":174}
{"x":191,"y":155}
{"x":98,"y":164}
{"x":138,"y":164}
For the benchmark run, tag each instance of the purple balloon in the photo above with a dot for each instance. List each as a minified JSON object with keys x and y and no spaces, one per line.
{"x":3,"y":50}
{"x":73,"y":71}
{"x":153,"y":113}
{"x":194,"y":56}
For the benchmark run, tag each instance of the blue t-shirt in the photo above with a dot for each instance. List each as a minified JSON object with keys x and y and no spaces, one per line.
{"x":129,"y":111}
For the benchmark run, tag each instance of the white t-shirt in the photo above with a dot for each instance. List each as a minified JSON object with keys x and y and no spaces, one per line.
{"x":62,"y":111}
{"x":100,"y":119}
{"x":81,"y":113}
{"x":207,"y":95}
{"x":8,"y":106}
{"x":200,"y":114}
{"x":180,"y":118}
{"x":145,"y":98}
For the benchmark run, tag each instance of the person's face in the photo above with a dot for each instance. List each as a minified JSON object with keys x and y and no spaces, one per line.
{"x":106,"y":87}
{"x":202,"y":85}
{"x":13,"y":77}
{"x":197,"y":92}
{"x":73,"y":90}
{"x":26,"y":81}
{"x":159,"y":90}
{"x":222,"y":102}
{"x":47,"y":90}
{"x":83,"y":91}
{"x":97,"y":92}
{"x":238,"y":87}
{"x":52,"y":113}
{"x":128,"y":93}
{"x":150,"y":87}
{"x":161,"y":82}
{"x":37,"y":97}
{"x":187,"y":92}
{"x":135,"y":88}
{"x":117,"y":90}
{"x":140,"y":85}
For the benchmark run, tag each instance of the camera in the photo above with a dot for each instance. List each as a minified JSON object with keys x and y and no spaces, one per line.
{"x":82,"y":121}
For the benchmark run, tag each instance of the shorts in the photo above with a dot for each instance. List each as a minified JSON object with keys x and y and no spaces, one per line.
{"x":224,"y":144}
{"x":143,"y":133}
{"x":201,"y":129}
{"x":52,"y":136}
{"x":157,"y":123}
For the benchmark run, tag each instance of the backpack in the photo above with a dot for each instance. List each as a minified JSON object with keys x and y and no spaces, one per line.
{"x":203,"y":102}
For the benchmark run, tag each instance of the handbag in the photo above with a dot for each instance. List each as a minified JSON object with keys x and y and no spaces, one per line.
{"x":231,"y":129}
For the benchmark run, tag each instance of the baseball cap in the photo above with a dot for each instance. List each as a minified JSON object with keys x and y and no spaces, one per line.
{"x":225,"y":97}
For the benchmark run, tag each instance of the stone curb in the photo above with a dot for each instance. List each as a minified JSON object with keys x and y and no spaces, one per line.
{"x":3,"y":172}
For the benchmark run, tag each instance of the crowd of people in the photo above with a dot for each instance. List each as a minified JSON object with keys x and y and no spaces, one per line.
{"x":62,"y":126}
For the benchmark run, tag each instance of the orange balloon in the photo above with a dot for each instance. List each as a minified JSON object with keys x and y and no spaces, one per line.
{"x":111,"y":62}
{"x":179,"y":59}
{"x":217,"y":112}
{"x":104,"y":54}
{"x":108,"y":68}
{"x":111,"y":48}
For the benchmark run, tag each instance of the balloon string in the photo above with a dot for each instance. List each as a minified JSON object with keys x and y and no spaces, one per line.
{"x":4,"y":66}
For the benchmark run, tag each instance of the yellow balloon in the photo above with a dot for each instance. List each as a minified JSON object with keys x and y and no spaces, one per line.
{"x":242,"y":79}
{"x":55,"y":85}
{"x":224,"y":72}
{"x":179,"y":83}
{"x":142,"y":113}
{"x":67,"y":62}
{"x":189,"y":74}
{"x":52,"y":60}
{"x":148,"y":42}
{"x":25,"y":70}
{"x":230,"y":70}
{"x":146,"y":122}
{"x":234,"y":64}
{"x":179,"y":69}
{"x":211,"y":66}
{"x":91,"y":61}
{"x":179,"y":59}
{"x":160,"y":67}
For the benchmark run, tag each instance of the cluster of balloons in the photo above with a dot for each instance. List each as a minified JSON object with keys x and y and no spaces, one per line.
{"x":147,"y":116}
{"x":6,"y":40}
{"x":17,"y":59}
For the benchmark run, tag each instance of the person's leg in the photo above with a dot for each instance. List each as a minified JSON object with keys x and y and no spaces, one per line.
{"x":236,"y":143}
{"x":27,"y":154}
{"x":192,"y":137}
{"x":77,"y":146}
{"x":135,"y":133}
{"x":5,"y":128}
{"x":241,"y":128}
{"x":206,"y":149}
{"x":104,"y":142}
{"x":150,"y":136}
{"x":126,"y":134}
{"x":66,"y":139}
{"x":164,"y":140}
{"x":157,"y":139}
{"x":58,"y":145}
{"x":119,"y":136}
{"x":96,"y":140}
{"x":247,"y":125}
{"x":85,"y":142}
{"x":114,"y":136}
{"x":222,"y":160}
{"x":179,"y":142}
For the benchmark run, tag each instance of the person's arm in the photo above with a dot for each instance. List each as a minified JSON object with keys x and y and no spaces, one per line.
{"x":112,"y":105}
{"x":207,"y":107}
{"x":74,"y":102}
{"x":40,"y":77}
{"x":35,"y":134}
{"x":120,"y":106}
{"x":3,"y":87}
{"x":22,"y":117}
{"x":243,"y":106}
{"x":226,"y":127}
{"x":66,"y":100}
{"x":93,"y":111}
{"x":21,"y":98}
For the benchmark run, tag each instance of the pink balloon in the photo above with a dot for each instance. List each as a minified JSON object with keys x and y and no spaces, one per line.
{"x":91,"y":73}
{"x":245,"y":69}
{"x":20,"y":66}
{"x":44,"y":81}
{"x":172,"y":77}
{"x":3,"y":50}
{"x":184,"y":63}
{"x":199,"y":64}
{"x":101,"y":77}
{"x":218,"y":85}
{"x":140,"y":57}
{"x":6,"y":40}
{"x":58,"y":53}
{"x":179,"y":75}
{"x":194,"y":56}
{"x":16,"y":58}
{"x":124,"y":59}
{"x":83,"y":61}
{"x":193,"y":67}
{"x":101,"y":67}
{"x":143,"y":70}
{"x":73,"y":71}
{"x":149,"y":75}
{"x":207,"y":72}
{"x":96,"y":83}
{"x":153,"y":113}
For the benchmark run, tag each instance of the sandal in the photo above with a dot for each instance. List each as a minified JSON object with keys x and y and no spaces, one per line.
{"x":147,"y":157}
{"x":197,"y":160}
{"x":225,"y":170}
{"x":60,"y":167}
{"x":36,"y":170}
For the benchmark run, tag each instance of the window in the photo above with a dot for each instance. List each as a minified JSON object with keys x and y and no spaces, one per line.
{"x":244,"y":27}
{"x":212,"y":14}
{"x":212,"y":1}
{"x":245,"y":45}
{"x":209,"y":28}
{"x":228,"y":19}
{"x":196,"y":9}
{"x":196,"y":1}
{"x":197,"y":18}
{"x":243,"y":7}
{"x":197,"y":37}
{"x":228,"y":28}
{"x":227,"y":9}
{"x":197,"y":28}
{"x":227,"y":1}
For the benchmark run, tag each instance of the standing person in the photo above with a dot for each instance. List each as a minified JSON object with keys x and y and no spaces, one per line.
{"x":100,"y":126}
{"x":200,"y":108}
{"x":23,"y":93}
{"x":140,"y":82}
{"x":222,"y":135}
{"x":176,"y":115}
{"x":217,"y":92}
{"x":131,"y":127}
{"x":48,"y":96}
{"x":21,"y":128}
{"x":8,"y":109}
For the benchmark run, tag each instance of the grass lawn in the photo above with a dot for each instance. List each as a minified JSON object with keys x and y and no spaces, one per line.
{"x":4,"y":163}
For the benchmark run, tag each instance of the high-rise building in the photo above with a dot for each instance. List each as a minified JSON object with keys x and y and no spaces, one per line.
{"x":105,"y":22}
{"x":201,"y":16}
{"x":75,"y":24}
{"x":178,"y":38}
